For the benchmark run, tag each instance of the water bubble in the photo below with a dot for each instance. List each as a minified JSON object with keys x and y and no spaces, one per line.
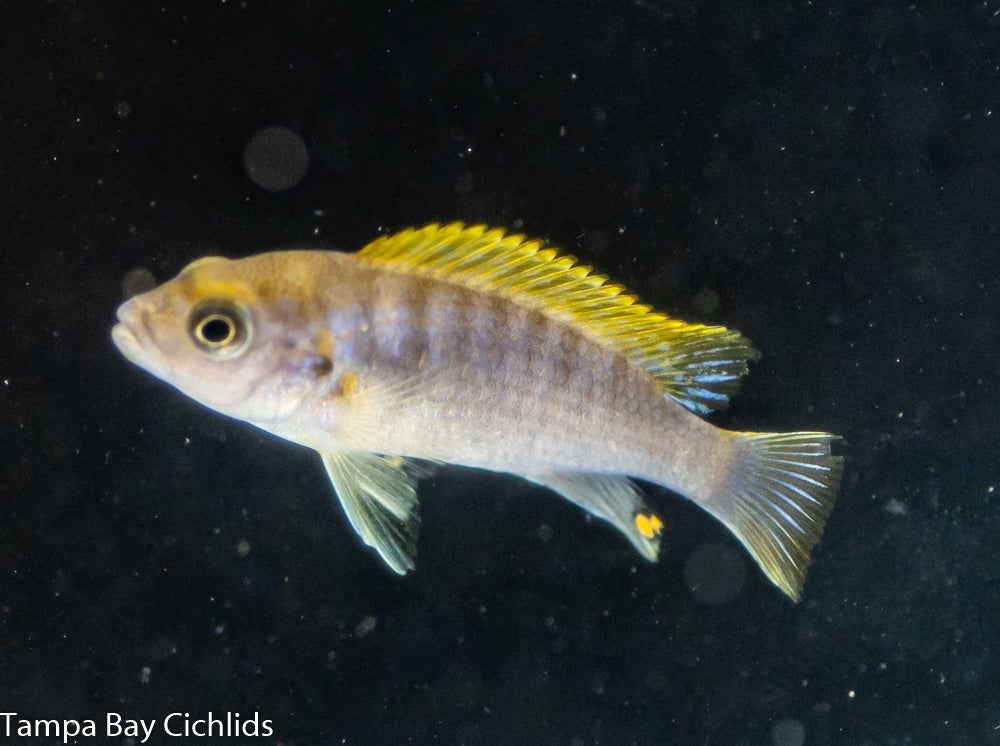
{"x":276,"y":158}
{"x":137,"y":281}
{"x":788,"y":732}
{"x":715,"y":573}
{"x":366,"y":625}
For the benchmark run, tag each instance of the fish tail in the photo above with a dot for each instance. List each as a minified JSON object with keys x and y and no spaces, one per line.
{"x":776,"y":499}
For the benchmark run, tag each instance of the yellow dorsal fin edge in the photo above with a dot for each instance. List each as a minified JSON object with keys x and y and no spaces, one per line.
{"x":698,"y":365}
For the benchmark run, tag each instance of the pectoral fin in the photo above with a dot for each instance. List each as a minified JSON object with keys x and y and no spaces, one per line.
{"x":379,"y":496}
{"x":612,"y":498}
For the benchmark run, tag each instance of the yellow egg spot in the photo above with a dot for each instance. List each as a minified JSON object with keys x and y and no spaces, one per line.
{"x":649,"y":525}
{"x":349,"y":384}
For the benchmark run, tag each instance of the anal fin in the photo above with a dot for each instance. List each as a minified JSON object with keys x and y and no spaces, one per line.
{"x":379,"y":495}
{"x":614,"y":499}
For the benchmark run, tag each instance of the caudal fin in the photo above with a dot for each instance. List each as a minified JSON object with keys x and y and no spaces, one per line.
{"x":780,"y":492}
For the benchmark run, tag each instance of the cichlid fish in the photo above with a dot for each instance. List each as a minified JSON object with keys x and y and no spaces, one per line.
{"x":468,"y":346}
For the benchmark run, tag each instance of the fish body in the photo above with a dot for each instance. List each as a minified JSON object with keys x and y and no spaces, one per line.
{"x":469,"y":346}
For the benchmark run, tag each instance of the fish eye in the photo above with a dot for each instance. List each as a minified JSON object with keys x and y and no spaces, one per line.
{"x":221,"y":328}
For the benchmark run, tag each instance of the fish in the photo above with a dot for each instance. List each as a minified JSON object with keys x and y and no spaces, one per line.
{"x":472,"y":346}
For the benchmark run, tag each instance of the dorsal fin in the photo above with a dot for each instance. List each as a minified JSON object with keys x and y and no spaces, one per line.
{"x":698,"y":365}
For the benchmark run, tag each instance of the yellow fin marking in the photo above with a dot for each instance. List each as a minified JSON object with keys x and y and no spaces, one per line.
{"x":698,"y":365}
{"x":649,"y":525}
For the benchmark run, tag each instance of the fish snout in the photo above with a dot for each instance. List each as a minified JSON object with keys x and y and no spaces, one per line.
{"x":126,"y":310}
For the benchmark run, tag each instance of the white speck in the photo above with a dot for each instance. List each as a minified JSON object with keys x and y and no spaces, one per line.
{"x":366,"y":625}
{"x":895,"y":507}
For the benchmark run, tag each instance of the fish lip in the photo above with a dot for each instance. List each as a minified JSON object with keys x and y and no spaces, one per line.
{"x":125,"y":340}
{"x":126,"y":311}
{"x":124,"y":334}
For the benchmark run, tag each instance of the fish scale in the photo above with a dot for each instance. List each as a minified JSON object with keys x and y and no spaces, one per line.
{"x":578,"y":395}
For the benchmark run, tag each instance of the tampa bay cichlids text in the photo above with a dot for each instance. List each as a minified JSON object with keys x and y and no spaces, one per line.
{"x":174,"y":725}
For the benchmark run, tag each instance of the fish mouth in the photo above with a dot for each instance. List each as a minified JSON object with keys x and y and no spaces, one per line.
{"x":125,"y":340}
{"x":124,"y":334}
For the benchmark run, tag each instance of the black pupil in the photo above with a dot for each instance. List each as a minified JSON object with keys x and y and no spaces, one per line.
{"x":216,"y":330}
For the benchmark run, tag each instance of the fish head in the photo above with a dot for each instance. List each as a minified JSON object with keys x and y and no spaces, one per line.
{"x":243,"y":337}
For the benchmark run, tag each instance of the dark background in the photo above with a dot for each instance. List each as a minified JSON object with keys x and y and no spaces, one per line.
{"x":822,"y":176}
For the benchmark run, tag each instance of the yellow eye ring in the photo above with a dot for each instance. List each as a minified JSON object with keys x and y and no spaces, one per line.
{"x":222,"y":328}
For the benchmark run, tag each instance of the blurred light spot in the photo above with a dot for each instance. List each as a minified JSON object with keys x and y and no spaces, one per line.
{"x":365,"y":626}
{"x":706,"y":303}
{"x":276,"y":158}
{"x":544,"y":533}
{"x":895,"y":507}
{"x":137,"y":281}
{"x":788,"y":732}
{"x":715,"y":573}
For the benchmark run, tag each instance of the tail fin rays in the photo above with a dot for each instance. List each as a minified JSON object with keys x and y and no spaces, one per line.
{"x":779,"y":495}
